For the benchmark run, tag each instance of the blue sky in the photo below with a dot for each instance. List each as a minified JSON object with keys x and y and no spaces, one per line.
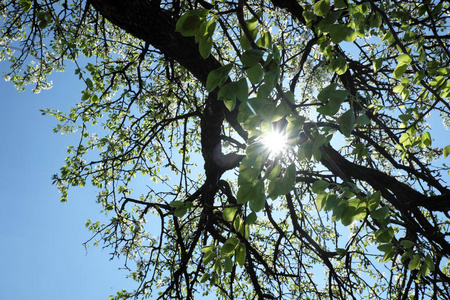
{"x":42,"y":253}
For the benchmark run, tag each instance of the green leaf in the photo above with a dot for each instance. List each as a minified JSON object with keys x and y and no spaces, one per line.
{"x":348,"y":216}
{"x":217,"y":77}
{"x":362,"y":120}
{"x":331,"y":108}
{"x":265,"y":41}
{"x":179,"y":212}
{"x":228,"y":247}
{"x":341,"y":32}
{"x":374,"y":201}
{"x":377,"y":63}
{"x":334,"y":104}
{"x":258,"y":197}
{"x":251,"y":57}
{"x":399,"y":88}
{"x":244,"y":192}
{"x":319,"y":186}
{"x":399,"y":70}
{"x":407,"y":244}
{"x":424,"y":270}
{"x":205,"y":46}
{"x":274,"y":172}
{"x":207,"y":249}
{"x":446,"y":151}
{"x":407,"y":255}
{"x":404,"y":59}
{"x":188,"y":24}
{"x":255,"y":73}
{"x":429,"y":262}
{"x":414,"y":263}
{"x":426,"y":139}
{"x":386,"y":247}
{"x":320,"y":201}
{"x":227,"y":93}
{"x":229,"y":213}
{"x":341,"y":251}
{"x":322,"y":7}
{"x":381,"y":213}
{"x":208,"y":257}
{"x":230,"y":104}
{"x":339,"y":210}
{"x":205,"y":277}
{"x":26,"y":5}
{"x":384,"y":235}
{"x":228,"y":264}
{"x":326,"y":92}
{"x":331,"y":202}
{"x":241,"y":89}
{"x":347,"y":122}
{"x":251,"y":218}
{"x":240,"y":255}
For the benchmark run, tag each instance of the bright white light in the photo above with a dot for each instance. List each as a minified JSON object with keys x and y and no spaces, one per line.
{"x":275,"y":142}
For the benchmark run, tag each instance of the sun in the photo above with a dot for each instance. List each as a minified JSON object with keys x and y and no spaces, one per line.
{"x":275,"y":142}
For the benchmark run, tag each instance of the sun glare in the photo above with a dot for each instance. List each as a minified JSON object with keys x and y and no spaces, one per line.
{"x":275,"y":142}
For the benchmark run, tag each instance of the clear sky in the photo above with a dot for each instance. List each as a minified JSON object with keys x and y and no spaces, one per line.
{"x":41,"y":239}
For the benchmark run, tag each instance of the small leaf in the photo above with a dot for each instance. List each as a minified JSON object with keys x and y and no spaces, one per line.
{"x":426,"y":139}
{"x":404,"y":59}
{"x":229,"y":246}
{"x":322,"y":7}
{"x":347,"y":122}
{"x":381,"y":213}
{"x":188,"y":24}
{"x":240,"y":255}
{"x":207,"y":249}
{"x":384,"y":235}
{"x":205,"y":277}
{"x":326,"y":92}
{"x":230,"y":104}
{"x":399,"y":70}
{"x":229,"y":213}
{"x":217,"y":77}
{"x":244,"y":192}
{"x":414,"y":263}
{"x":179,"y":212}
{"x":320,"y":201}
{"x":319,"y":186}
{"x":429,"y":262}
{"x":274,"y":172}
{"x":251,"y":218}
{"x":385,"y":247}
{"x":407,"y":255}
{"x":349,"y":215}
{"x":362,"y":120}
{"x":407,"y":243}
{"x":228,"y":264}
{"x":377,"y":63}
{"x":255,"y":74}
{"x":241,"y":89}
{"x":205,"y":46}
{"x":340,"y":32}
{"x":332,"y":202}
{"x":446,"y":151}
{"x":341,"y":251}
{"x":251,"y":57}
{"x":208,"y":257}
{"x":258,"y":197}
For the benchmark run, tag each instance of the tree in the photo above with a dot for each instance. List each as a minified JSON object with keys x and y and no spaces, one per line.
{"x":354,"y":204}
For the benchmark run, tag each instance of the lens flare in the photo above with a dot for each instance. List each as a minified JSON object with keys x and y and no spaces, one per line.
{"x":275,"y":142}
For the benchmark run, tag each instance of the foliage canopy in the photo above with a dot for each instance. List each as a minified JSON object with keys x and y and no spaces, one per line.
{"x":179,"y":98}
